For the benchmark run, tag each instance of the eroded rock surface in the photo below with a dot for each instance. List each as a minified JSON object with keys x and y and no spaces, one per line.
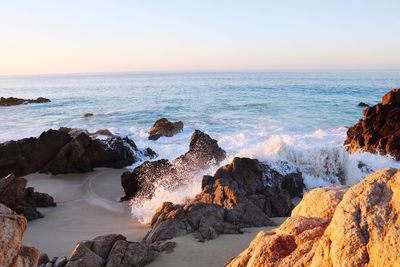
{"x":233,"y":198}
{"x":15,"y":195}
{"x":363,"y":229}
{"x":12,"y":252}
{"x":68,"y":150}
{"x":13,"y":101}
{"x":164,"y":127}
{"x":379,"y":130}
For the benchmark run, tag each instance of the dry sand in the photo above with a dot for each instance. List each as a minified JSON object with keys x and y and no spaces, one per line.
{"x":87,"y":206}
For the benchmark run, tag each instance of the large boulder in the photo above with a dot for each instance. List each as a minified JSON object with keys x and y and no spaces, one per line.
{"x":68,"y":150}
{"x":12,"y":252}
{"x":13,"y":101}
{"x":164,"y":127}
{"x":203,"y":153}
{"x":363,"y":230}
{"x":111,"y":250}
{"x":233,"y":198}
{"x":379,"y":130}
{"x":30,"y":155}
{"x":15,"y":195}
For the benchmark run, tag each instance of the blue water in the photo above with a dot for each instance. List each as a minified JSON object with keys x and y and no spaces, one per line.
{"x":299,"y":118}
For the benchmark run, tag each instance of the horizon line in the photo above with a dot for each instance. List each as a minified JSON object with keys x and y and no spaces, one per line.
{"x":198,"y":71}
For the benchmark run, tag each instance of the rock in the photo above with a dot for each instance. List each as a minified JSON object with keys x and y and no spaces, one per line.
{"x":203,"y":153}
{"x":114,"y":251}
{"x":360,"y":229}
{"x":88,"y":115}
{"x":362,"y":105}
{"x":43,"y":259}
{"x":292,"y":182}
{"x":68,"y":150}
{"x":15,"y":195}
{"x":320,"y":202}
{"x":233,"y":198}
{"x":379,"y":130}
{"x":13,"y":253}
{"x":60,"y":262}
{"x":163,"y":127}
{"x":13,"y":101}
{"x":31,"y":154}
{"x":292,"y":244}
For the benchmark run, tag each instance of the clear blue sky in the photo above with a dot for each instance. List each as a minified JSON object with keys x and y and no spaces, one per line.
{"x":182,"y":35}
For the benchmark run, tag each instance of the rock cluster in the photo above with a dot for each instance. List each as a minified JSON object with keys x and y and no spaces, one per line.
{"x":111,"y":250}
{"x":66,"y":151}
{"x":379,"y":130}
{"x":203,"y":151}
{"x":357,"y":228}
{"x":15,"y":195}
{"x":233,"y":198}
{"x":12,"y":252}
{"x":164,"y":127}
{"x":13,"y":101}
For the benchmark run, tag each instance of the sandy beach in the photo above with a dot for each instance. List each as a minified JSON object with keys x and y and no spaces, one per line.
{"x":87,"y":206}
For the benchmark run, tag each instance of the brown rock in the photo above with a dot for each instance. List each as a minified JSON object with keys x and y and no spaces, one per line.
{"x":379,"y":130}
{"x":15,"y":195}
{"x":363,"y":230}
{"x":163,"y":127}
{"x":12,"y":252}
{"x":13,"y":101}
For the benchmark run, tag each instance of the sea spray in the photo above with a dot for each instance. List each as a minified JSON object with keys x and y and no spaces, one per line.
{"x":319,"y":155}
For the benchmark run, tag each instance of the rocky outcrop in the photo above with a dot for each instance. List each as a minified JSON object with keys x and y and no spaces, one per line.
{"x":292,"y":182}
{"x":15,"y":195}
{"x":111,"y":251}
{"x":362,"y":105}
{"x":233,"y":198}
{"x":12,"y":252}
{"x":68,"y":150}
{"x":379,"y":130}
{"x":203,"y":152}
{"x":164,"y":127}
{"x":363,"y":229}
{"x":13,"y":101}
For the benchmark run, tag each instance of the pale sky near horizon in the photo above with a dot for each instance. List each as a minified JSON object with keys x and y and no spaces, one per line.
{"x":39,"y":37}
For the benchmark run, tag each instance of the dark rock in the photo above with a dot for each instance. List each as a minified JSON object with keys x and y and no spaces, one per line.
{"x":43,"y":259}
{"x":115,"y":251}
{"x":68,"y":150}
{"x":87,"y":115}
{"x":292,"y":182}
{"x":362,"y":105}
{"x":164,"y":127}
{"x":379,"y":130}
{"x":203,"y":152}
{"x":31,"y":154}
{"x":233,"y":198}
{"x":60,"y":262}
{"x":15,"y":195}
{"x":13,"y":101}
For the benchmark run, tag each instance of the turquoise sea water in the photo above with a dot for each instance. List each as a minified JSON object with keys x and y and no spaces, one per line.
{"x":293,"y":120}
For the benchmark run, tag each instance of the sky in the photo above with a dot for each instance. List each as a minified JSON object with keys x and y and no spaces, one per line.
{"x":71,"y":36}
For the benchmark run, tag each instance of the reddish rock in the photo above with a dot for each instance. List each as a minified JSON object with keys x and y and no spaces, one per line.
{"x":379,"y":130}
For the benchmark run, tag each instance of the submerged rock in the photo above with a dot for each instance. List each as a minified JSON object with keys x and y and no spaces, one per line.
{"x":13,"y":101}
{"x":112,"y":250}
{"x":233,"y":198}
{"x":357,"y":228}
{"x":15,"y":195}
{"x":13,"y":253}
{"x":88,"y":115}
{"x":379,"y":130}
{"x":164,"y":127}
{"x":203,"y":152}
{"x":68,"y":150}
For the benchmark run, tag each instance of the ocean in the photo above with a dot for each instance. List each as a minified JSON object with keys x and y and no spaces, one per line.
{"x":292,"y":120}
